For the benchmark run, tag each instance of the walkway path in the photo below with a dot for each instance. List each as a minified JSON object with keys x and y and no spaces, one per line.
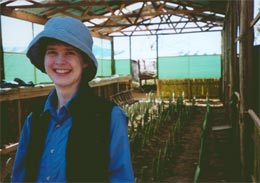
{"x":222,"y":152}
{"x":182,"y":170}
{"x":222,"y":156}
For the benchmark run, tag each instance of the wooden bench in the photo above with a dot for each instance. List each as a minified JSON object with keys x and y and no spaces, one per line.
{"x":234,"y":107}
{"x":123,"y":98}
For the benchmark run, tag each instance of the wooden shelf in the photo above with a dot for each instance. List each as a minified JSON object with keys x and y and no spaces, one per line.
{"x":9,"y":94}
{"x":109,"y":80}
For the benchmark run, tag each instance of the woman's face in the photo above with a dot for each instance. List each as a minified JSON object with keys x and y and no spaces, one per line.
{"x":64,"y":64}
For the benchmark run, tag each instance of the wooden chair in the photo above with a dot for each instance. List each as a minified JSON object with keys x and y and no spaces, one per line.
{"x":123,"y":98}
{"x":144,"y":73}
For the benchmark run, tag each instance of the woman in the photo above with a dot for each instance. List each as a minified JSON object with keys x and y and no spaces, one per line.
{"x":75,"y":136}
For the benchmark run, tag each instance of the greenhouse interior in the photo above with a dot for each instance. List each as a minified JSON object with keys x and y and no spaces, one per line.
{"x":185,"y":72}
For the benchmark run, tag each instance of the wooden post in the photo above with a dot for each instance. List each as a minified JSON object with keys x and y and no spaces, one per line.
{"x":226,"y":64}
{"x":189,"y":90}
{"x":243,"y":19}
{"x":234,"y":23}
{"x":246,"y":43}
{"x":157,"y":57}
{"x":231,"y":54}
{"x":19,"y":113}
{"x":2,"y":75}
{"x":113,"y":64}
{"x":222,"y":89}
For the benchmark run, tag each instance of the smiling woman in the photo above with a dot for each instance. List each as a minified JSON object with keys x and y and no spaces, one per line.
{"x":64,"y":64}
{"x":72,"y":115}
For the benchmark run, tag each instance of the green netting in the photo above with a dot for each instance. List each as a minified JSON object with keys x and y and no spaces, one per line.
{"x":104,"y":67}
{"x":197,"y":66}
{"x":123,"y":66}
{"x":17,"y":65}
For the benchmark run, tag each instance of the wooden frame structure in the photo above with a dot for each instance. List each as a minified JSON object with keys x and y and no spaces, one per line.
{"x":109,"y":18}
{"x":126,"y":17}
{"x":118,"y":18}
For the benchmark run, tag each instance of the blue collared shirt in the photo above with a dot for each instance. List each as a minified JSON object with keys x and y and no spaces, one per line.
{"x":53,"y":161}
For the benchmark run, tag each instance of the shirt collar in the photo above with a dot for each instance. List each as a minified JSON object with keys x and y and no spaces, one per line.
{"x":51,"y":102}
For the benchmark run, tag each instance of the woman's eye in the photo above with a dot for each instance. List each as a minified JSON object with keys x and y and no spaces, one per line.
{"x":50,"y":52}
{"x":71,"y":53}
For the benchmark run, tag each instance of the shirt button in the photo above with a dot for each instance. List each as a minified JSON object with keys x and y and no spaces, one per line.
{"x":52,"y":151}
{"x":48,"y":178}
{"x":57,"y":125}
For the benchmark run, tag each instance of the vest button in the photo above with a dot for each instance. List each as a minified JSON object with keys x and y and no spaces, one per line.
{"x":48,"y":178}
{"x":57,"y":125}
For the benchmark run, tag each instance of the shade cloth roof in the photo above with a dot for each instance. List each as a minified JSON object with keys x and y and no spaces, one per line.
{"x":125,"y":17}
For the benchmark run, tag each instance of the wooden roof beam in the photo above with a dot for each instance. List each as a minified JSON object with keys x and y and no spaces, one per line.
{"x":6,"y":3}
{"x":195,"y":6}
{"x":7,"y":11}
{"x":143,"y":24}
{"x":70,"y":5}
{"x":86,"y":11}
{"x":139,"y":13}
{"x":171,"y":29}
{"x":51,"y":12}
{"x":22,"y":15}
{"x":186,"y":12}
{"x":109,"y":22}
{"x":121,"y":11}
{"x":109,"y":9}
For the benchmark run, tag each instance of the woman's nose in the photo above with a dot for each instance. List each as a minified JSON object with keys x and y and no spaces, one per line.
{"x":60,"y":59}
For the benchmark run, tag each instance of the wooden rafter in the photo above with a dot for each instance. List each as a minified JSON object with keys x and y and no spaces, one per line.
{"x":111,"y":22}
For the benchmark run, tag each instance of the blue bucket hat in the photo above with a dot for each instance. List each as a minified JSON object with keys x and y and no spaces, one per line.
{"x":68,"y":30}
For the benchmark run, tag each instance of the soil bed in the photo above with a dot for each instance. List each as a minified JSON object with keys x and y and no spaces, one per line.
{"x":182,"y":167}
{"x":222,"y":167}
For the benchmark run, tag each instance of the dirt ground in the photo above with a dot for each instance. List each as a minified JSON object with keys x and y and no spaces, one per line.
{"x":182,"y":167}
{"x":222,"y":163}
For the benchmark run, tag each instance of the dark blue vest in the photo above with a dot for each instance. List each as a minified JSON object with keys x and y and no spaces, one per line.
{"x":87,"y":153}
